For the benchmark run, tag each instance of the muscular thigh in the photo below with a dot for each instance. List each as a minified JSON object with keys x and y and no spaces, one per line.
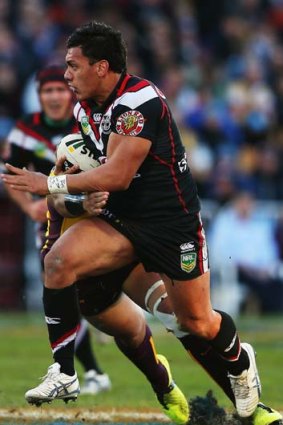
{"x":91,"y":247}
{"x":123,"y":320}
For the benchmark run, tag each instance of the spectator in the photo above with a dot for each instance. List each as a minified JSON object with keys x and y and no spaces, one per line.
{"x":242,"y":237}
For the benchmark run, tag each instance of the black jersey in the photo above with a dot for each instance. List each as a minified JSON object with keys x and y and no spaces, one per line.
{"x":33,"y":142}
{"x":162,"y":187}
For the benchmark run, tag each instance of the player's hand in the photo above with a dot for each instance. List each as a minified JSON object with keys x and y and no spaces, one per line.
{"x":25,"y":180}
{"x":95,"y":202}
{"x":61,"y":169}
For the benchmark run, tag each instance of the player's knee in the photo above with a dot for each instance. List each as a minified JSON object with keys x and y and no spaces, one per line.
{"x":55,"y":270}
{"x":133,"y":336}
{"x":135,"y":331}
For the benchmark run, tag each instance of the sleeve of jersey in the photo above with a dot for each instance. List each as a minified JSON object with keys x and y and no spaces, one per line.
{"x":130,"y":118}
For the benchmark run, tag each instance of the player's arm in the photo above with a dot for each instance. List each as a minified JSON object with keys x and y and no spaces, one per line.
{"x":36,"y":209}
{"x":76,"y":205}
{"x":124,"y":157}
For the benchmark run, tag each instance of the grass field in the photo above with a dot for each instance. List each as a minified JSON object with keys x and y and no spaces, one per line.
{"x":25,"y":356}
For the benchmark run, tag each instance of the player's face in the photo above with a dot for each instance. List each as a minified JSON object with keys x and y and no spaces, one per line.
{"x":56,"y":100}
{"x":83,"y":78}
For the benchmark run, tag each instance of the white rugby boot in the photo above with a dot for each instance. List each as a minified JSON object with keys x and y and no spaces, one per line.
{"x":246,"y":386}
{"x":55,"y":385}
{"x":95,"y":383}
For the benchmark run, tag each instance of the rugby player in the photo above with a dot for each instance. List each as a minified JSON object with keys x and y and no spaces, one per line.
{"x":154,"y":210}
{"x":32,"y":144}
{"x":96,"y":295}
{"x":101,"y":301}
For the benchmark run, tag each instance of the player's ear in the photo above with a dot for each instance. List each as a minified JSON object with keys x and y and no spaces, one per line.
{"x":102,"y":67}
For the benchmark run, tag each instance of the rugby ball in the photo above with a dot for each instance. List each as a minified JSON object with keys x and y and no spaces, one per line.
{"x":73,"y":147}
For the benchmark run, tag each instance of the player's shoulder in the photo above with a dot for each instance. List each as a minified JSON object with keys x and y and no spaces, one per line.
{"x":137,"y":91}
{"x":134,"y":83}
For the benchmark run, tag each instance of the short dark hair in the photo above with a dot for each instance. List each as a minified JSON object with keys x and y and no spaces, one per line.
{"x":99,"y":41}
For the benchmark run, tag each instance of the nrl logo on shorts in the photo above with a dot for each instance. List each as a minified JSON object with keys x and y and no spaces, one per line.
{"x":188,"y":261}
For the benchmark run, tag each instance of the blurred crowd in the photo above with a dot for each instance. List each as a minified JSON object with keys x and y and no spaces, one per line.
{"x":219,"y":63}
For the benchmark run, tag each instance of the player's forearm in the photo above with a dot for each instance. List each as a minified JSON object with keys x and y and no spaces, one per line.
{"x":103,"y":179}
{"x":66,"y":208}
{"x":110,"y":177}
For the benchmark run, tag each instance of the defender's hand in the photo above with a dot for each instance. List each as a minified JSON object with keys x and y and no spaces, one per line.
{"x":95,"y":202}
{"x":25,"y":180}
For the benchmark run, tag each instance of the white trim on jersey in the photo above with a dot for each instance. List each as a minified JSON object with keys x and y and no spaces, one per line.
{"x":131,"y":99}
{"x":134,"y":99}
{"x":19,"y":138}
{"x":79,"y":111}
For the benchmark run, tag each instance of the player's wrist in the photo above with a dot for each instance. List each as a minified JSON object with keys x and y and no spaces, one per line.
{"x":57,"y":184}
{"x":74,"y":204}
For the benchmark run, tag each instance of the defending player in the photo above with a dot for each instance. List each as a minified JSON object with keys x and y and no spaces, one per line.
{"x":32,"y":144}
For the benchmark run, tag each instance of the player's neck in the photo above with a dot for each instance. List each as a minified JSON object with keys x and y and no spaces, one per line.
{"x":109,"y":85}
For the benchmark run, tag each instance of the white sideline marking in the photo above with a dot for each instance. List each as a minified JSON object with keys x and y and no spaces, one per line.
{"x":38,"y":413}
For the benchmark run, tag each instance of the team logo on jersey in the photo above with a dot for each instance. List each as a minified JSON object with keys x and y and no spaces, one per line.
{"x":97,"y":117}
{"x":188,"y":261}
{"x":85,"y":125}
{"x":183,"y":164}
{"x":130,"y":123}
{"x":106,"y":124}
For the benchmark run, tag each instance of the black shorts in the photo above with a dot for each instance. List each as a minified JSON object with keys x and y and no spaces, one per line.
{"x":98,"y":293}
{"x":177,"y":248}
